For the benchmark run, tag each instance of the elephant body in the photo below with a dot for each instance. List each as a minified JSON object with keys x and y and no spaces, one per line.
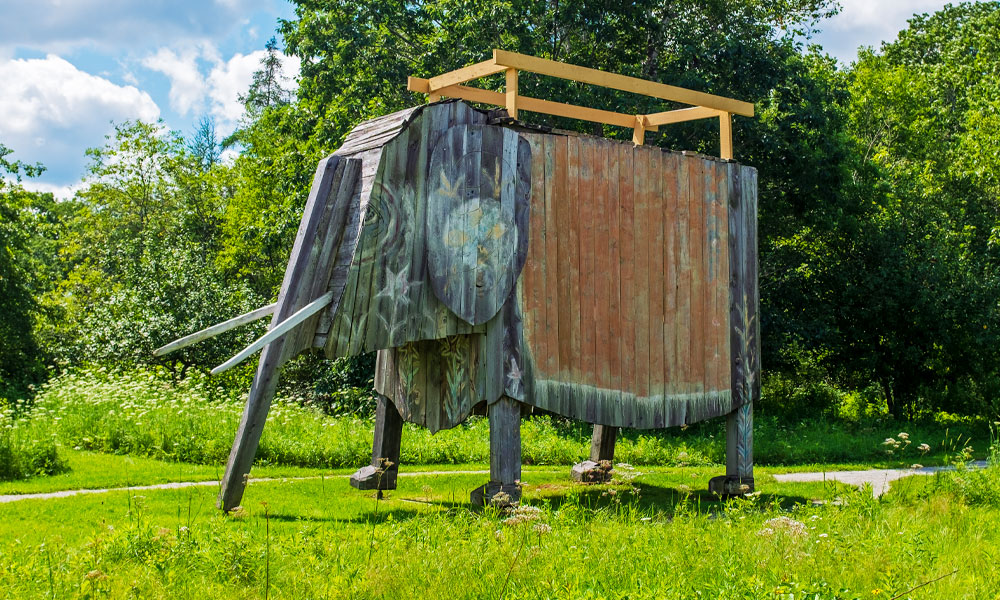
{"x":492,"y":263}
{"x":583,"y":276}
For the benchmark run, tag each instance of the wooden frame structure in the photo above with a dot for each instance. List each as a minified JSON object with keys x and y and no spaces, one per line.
{"x":703,"y":106}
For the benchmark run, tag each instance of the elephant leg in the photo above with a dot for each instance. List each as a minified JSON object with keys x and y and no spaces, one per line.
{"x":505,"y":454}
{"x":602,"y":456}
{"x":381,"y":474}
{"x":739,"y":455}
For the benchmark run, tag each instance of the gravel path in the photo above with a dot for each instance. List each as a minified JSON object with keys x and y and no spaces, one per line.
{"x":186,"y":484}
{"x":880,"y":479}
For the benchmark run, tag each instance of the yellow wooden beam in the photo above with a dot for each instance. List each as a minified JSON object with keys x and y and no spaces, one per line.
{"x":639,"y":130}
{"x":480,"y":69}
{"x":625,"y":83}
{"x":682,"y":114}
{"x":725,"y":136}
{"x":559,"y":109}
{"x":511,"y":89}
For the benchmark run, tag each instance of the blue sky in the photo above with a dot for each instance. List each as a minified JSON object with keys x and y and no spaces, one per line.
{"x":70,"y":67}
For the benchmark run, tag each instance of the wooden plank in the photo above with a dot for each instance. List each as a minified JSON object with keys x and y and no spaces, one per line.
{"x":551,"y":233}
{"x":726,"y":135}
{"x":587,"y":244}
{"x":574,"y":190}
{"x":276,"y":332}
{"x":329,"y":246}
{"x":614,"y":323}
{"x":511,"y":93}
{"x":639,"y":130}
{"x":626,"y":243}
{"x":601,"y":252}
{"x":684,"y":278}
{"x":533,"y":276}
{"x":474,"y":71}
{"x":214,"y":330}
{"x":657,"y":223}
{"x":700,"y":290}
{"x":671,"y":197}
{"x":530,"y":104}
{"x":624,"y":83}
{"x":681,"y":115}
{"x":642,"y":248}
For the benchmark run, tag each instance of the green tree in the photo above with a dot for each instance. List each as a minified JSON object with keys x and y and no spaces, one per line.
{"x":20,"y":356}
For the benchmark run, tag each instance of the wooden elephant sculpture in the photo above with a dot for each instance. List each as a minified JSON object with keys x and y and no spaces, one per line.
{"x":499,"y":266}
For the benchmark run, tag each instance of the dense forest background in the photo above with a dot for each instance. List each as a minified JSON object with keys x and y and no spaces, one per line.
{"x":879,"y":193}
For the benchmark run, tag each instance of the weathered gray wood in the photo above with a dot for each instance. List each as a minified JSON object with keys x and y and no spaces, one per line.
{"x":214,"y":330}
{"x":602,"y":443}
{"x":744,"y":333}
{"x":381,"y":473}
{"x":285,"y":326}
{"x":505,"y":452}
{"x":266,"y":380}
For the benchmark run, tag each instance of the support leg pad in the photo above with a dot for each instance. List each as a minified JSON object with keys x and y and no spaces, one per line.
{"x":487,"y":493}
{"x":728,"y":486}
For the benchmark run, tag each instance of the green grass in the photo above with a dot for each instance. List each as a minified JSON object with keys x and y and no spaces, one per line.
{"x":141,"y":414}
{"x":652,"y":538}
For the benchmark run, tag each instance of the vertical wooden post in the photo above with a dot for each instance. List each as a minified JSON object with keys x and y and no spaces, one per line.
{"x":505,"y":453}
{"x":381,"y":473}
{"x":739,"y":445}
{"x":602,"y":455}
{"x":726,"y":135}
{"x":602,"y":443}
{"x":512,"y":93}
{"x":639,"y":133}
{"x":432,"y":97}
{"x":744,"y":335}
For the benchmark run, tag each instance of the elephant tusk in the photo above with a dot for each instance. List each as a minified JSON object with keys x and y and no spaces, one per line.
{"x":215,"y":330}
{"x":301,"y":315}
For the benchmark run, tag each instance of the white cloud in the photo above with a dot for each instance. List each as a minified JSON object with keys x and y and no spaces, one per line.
{"x":62,"y":25}
{"x":51,"y":110}
{"x":228,"y":80}
{"x":61,"y":192}
{"x":187,"y":86}
{"x":869,"y":23}
{"x":216,"y":93}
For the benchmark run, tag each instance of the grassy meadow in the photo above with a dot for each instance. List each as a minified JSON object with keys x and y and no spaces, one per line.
{"x":302,"y":532}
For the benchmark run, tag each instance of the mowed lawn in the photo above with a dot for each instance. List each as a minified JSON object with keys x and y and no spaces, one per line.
{"x":659,"y":535}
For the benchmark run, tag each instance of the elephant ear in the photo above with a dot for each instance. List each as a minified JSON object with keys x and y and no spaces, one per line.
{"x":479,"y":187}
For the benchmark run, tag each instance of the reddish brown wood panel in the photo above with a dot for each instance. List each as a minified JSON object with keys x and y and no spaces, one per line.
{"x":634,"y":240}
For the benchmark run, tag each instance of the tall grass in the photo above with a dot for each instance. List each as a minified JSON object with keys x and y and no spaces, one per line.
{"x":27,"y":446}
{"x":143,"y":413}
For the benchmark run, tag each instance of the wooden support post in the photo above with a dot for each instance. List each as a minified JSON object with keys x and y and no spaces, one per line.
{"x":726,"y":135}
{"x":602,"y":455}
{"x":744,"y":334}
{"x":512,"y":93}
{"x":639,"y":132}
{"x":505,"y":453}
{"x":433,"y":97}
{"x":602,"y":443}
{"x":381,"y":473}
